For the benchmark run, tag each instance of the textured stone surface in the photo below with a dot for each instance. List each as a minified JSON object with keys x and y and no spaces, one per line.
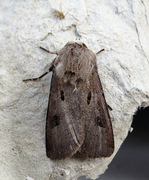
{"x":120,"y":27}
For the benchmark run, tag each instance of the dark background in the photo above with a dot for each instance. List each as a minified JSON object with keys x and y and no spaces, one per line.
{"x":132,"y":160}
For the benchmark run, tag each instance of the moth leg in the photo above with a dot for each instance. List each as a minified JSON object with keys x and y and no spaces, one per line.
{"x":50,"y":69}
{"x":38,"y":78}
{"x":109,"y":107}
{"x":100,"y":51}
{"x":35,"y":79}
{"x":54,"y":52}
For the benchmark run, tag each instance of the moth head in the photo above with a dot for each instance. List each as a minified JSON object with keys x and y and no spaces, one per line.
{"x":77,"y":42}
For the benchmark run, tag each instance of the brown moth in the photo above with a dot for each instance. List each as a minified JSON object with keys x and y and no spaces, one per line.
{"x":78,"y":123}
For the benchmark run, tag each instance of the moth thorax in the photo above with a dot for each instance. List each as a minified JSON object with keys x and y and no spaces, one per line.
{"x":69,"y":76}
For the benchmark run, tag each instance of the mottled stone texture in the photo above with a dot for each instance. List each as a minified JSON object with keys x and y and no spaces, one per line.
{"x":120,"y":27}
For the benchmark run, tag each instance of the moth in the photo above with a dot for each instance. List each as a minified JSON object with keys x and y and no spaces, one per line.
{"x":78,"y":123}
{"x":57,"y":13}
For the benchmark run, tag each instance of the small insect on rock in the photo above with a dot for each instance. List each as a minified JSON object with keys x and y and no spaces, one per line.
{"x":78,"y":123}
{"x":57,"y":13}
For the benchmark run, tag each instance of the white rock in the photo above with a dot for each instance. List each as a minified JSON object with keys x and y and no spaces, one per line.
{"x":120,"y":27}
